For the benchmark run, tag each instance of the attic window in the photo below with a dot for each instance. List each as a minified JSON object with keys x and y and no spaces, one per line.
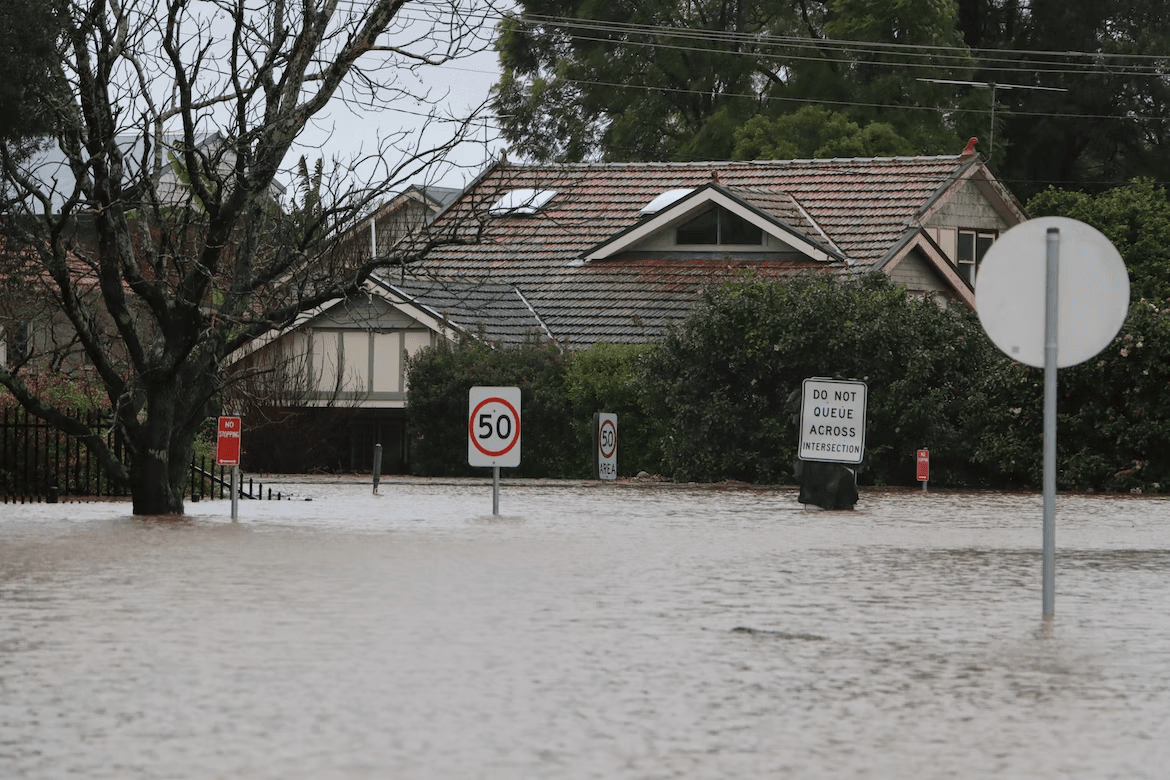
{"x":526,"y":201}
{"x":663,"y":200}
{"x":718,"y":226}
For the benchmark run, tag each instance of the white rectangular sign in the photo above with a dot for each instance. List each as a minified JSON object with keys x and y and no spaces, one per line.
{"x":832,"y":420}
{"x":493,"y":426}
{"x":606,"y":446}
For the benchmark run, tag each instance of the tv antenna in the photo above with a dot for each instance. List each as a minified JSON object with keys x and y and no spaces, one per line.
{"x":993,"y":86}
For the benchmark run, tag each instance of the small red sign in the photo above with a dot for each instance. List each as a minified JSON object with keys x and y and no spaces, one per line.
{"x":227,"y":450}
{"x":924,"y":465}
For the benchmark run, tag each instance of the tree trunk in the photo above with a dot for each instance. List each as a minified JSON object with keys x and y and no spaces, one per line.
{"x":161,"y":446}
{"x":151,"y":487}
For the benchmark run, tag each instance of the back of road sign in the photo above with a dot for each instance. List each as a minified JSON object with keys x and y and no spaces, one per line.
{"x":1093,"y":291}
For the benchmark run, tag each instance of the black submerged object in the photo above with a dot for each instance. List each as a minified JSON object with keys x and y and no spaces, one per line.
{"x":827,"y":485}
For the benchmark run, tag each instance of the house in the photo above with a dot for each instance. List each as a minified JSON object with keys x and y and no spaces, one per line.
{"x":618,"y":252}
{"x":335,"y":381}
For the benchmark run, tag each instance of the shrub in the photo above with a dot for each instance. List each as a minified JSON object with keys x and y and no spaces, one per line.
{"x":727,"y":380}
{"x":606,"y":378}
{"x":439,"y":381}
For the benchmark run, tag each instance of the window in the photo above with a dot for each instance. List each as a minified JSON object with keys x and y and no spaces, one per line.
{"x":527,"y":201}
{"x":665,"y":199}
{"x":718,"y":226}
{"x":971,"y":246}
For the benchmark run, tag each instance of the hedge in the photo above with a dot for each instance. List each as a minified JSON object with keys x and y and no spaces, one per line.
{"x":719,"y":398}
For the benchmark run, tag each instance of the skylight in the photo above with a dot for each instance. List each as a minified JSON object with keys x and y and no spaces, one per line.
{"x":526,"y":201}
{"x":664,"y":200}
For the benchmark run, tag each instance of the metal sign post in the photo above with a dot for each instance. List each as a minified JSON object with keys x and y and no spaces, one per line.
{"x":1051,"y":322}
{"x":235,"y":493}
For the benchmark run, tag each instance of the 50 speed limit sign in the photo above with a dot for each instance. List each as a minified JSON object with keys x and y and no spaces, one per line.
{"x":493,"y":426}
{"x":605,"y":429}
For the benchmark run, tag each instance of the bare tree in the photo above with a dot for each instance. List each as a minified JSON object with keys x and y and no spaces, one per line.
{"x":163,"y":234}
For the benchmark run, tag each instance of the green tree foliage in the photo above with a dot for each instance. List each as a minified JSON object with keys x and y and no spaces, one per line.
{"x":1136,"y":218}
{"x":816,"y":132}
{"x":1109,"y":125}
{"x":719,"y":398}
{"x":559,"y":395}
{"x":663,"y":81}
{"x":727,"y":382}
{"x":28,"y":52}
{"x":1113,"y":414}
{"x":660,"y":80}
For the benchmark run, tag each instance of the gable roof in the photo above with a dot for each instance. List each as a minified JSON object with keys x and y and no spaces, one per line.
{"x":776,"y":213}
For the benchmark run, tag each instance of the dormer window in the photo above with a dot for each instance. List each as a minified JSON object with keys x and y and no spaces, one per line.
{"x":526,"y":201}
{"x":719,"y":226}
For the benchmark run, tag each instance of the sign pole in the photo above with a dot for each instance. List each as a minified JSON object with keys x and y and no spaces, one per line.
{"x":495,"y":490}
{"x":235,"y":493}
{"x":377,"y":466}
{"x":1050,"y":362}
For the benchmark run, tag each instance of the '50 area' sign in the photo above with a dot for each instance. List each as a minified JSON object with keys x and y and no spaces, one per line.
{"x":493,"y":426}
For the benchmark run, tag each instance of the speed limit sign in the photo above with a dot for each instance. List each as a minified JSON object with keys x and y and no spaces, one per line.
{"x":605,"y":428}
{"x":493,"y":426}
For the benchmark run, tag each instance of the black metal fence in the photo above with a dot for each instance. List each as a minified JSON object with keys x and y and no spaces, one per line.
{"x":40,"y":463}
{"x":216,"y":482}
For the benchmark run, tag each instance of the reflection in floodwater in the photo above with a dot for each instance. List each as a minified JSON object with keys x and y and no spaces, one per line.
{"x":603,"y":632}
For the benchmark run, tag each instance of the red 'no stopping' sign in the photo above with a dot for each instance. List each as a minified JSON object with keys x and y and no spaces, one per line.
{"x":227,"y":450}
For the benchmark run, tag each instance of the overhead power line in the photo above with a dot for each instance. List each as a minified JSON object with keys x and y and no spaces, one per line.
{"x":1031,"y":60}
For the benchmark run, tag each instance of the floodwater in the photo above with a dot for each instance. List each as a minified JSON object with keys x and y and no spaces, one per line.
{"x":585,"y":632}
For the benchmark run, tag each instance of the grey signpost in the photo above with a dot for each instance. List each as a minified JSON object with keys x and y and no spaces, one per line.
{"x":1085,"y":289}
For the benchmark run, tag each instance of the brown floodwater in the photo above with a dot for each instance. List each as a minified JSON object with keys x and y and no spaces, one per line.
{"x":585,"y":632}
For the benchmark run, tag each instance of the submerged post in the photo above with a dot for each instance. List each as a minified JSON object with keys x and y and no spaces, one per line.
{"x":377,"y":466}
{"x":1051,"y":323}
{"x":235,"y":493}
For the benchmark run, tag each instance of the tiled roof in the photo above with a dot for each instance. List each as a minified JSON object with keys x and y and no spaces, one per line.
{"x":859,"y":208}
{"x":496,"y":308}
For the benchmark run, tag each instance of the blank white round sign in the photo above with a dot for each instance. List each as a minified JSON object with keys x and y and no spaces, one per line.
{"x":1092,"y":289}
